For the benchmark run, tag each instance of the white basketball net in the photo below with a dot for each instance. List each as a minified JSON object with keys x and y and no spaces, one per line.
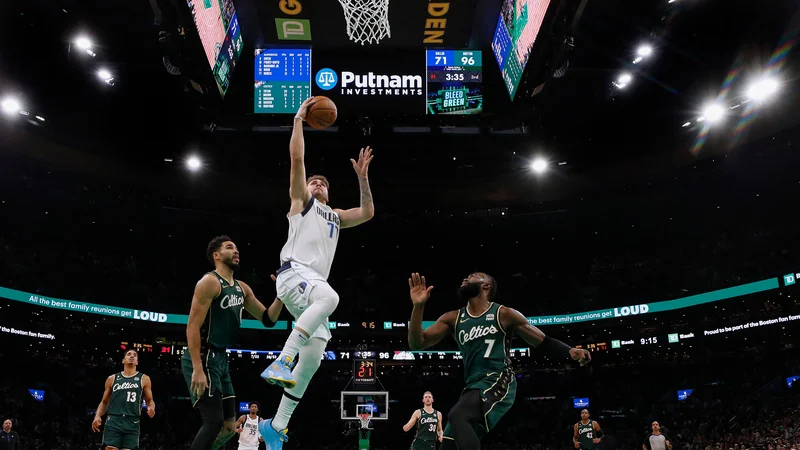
{"x":364,"y":419}
{"x":367,"y":20}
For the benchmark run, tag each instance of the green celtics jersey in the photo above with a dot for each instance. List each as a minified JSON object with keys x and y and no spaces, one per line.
{"x":224,"y":316}
{"x":427,"y":425}
{"x":484,"y":346}
{"x":126,"y":395}
{"x":586,"y":434}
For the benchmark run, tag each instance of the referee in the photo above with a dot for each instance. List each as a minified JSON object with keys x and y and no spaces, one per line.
{"x":9,"y":440}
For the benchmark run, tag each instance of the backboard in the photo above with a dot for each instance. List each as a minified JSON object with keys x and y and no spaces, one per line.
{"x":356,"y":402}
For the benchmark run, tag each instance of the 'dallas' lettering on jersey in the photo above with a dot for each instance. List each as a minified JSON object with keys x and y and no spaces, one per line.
{"x":328,"y":215}
{"x":475,"y":333}
{"x":313,"y":237}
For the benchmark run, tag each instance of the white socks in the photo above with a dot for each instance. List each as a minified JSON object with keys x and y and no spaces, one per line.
{"x":294,"y":343}
{"x":310,"y":358}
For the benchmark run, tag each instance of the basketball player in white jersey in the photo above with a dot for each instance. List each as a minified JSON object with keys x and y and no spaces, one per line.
{"x":247,"y":427}
{"x":302,"y":278}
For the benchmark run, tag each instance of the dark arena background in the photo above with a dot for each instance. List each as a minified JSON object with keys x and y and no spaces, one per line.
{"x":626,"y":170}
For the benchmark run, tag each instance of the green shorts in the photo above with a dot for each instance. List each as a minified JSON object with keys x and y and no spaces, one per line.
{"x":420,"y":444}
{"x":498,"y":397}
{"x":215,"y":365}
{"x":121,"y":432}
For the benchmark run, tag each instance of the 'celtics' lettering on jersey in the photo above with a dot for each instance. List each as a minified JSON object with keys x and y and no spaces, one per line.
{"x":224,"y":316}
{"x":586,"y":434}
{"x":427,"y":425}
{"x":126,"y":395}
{"x":484,"y":346}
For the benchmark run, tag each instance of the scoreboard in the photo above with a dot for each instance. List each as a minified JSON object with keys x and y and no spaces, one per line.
{"x":282,"y":80}
{"x":450,"y":82}
{"x":454,"y":82}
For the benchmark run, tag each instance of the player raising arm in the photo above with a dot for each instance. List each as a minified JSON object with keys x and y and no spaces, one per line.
{"x":483,"y":331}
{"x":302,"y":285}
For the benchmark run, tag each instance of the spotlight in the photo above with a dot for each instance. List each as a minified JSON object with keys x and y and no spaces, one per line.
{"x":193,"y":163}
{"x":83,"y":43}
{"x":644,"y":50}
{"x":539,"y":165}
{"x":10,"y":106}
{"x":624,"y":78}
{"x":762,"y":89}
{"x":713,"y":113}
{"x":104,"y":74}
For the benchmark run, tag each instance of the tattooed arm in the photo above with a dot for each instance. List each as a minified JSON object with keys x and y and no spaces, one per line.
{"x":357,"y":216}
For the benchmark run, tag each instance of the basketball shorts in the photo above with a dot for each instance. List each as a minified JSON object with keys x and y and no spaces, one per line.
{"x":215,"y":365}
{"x":419,"y":444}
{"x":294,"y":285}
{"x":247,"y":447}
{"x":121,"y":432}
{"x":497,"y":398}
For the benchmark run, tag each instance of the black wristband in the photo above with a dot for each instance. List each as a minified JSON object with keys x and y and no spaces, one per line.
{"x":267,"y":321}
{"x":555,"y":348}
{"x":599,"y":433}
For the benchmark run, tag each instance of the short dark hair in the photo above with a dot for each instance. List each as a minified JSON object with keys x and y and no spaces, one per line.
{"x":319,"y":177}
{"x":254,"y":403}
{"x":131,"y":350}
{"x":215,"y":245}
{"x":493,"y":291}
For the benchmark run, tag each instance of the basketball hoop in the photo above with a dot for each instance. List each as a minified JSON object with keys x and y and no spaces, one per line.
{"x":367,"y":20}
{"x":364,"y":419}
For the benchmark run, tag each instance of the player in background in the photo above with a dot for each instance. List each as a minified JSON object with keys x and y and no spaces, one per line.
{"x":302,"y":284}
{"x":214,"y":321}
{"x":247,"y":427}
{"x":587,"y":433}
{"x":429,"y":425}
{"x":483,"y":330}
{"x":122,"y":399}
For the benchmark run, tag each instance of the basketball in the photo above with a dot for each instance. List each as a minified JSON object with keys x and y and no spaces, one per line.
{"x":322,"y":113}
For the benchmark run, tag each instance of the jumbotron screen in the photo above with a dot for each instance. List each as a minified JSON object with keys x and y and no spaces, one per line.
{"x":517,"y":29}
{"x":218,"y":28}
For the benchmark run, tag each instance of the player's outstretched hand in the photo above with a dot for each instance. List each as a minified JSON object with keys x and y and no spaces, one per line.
{"x":362,"y":165}
{"x":96,"y":424}
{"x":420,"y":292}
{"x":580,"y":355}
{"x":303,"y":110}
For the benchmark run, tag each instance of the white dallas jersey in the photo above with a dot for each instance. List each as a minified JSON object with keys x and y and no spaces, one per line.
{"x":313,"y":235}
{"x":248,"y":438}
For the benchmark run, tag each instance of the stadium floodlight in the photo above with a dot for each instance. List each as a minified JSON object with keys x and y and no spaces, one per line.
{"x":644,"y":50}
{"x":762,"y":89}
{"x":10,"y":105}
{"x":624,"y":79}
{"x":104,"y":74}
{"x":40,"y":118}
{"x":713,"y":112}
{"x":193,"y":163}
{"x":539,"y":165}
{"x":686,"y":124}
{"x":83,"y":43}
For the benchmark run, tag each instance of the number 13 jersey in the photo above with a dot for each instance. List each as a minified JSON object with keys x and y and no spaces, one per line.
{"x":313,"y":235}
{"x":126,"y":395}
